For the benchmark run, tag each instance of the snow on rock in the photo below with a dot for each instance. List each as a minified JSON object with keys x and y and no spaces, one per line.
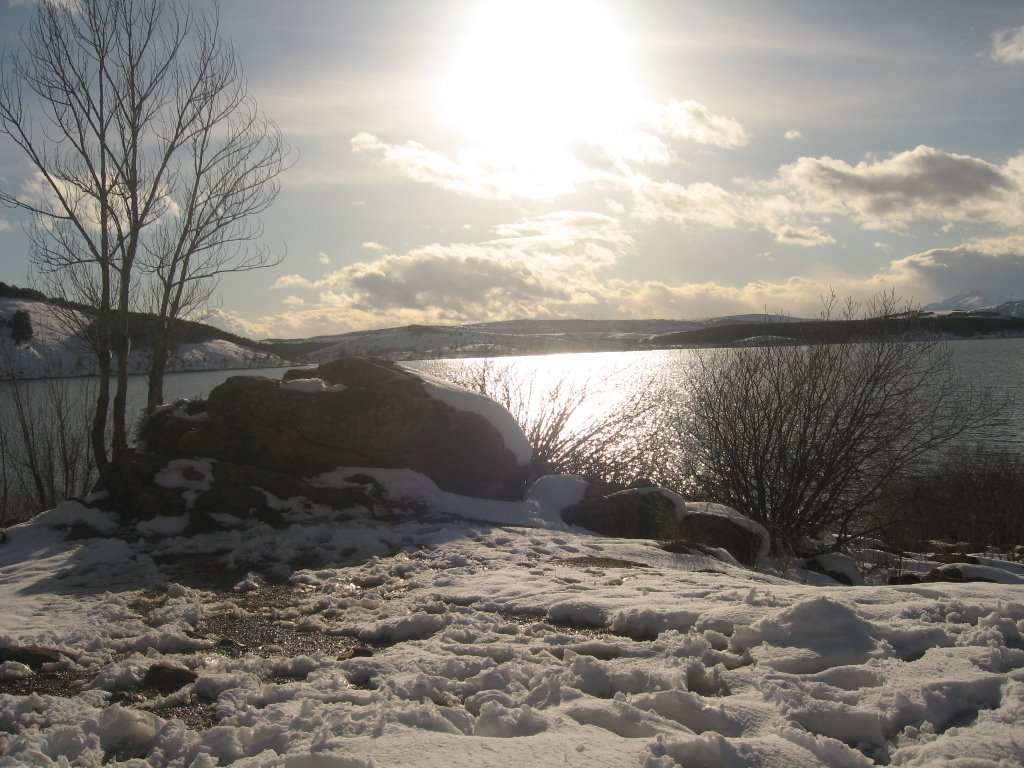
{"x":544,"y":500}
{"x":737,"y":519}
{"x":192,"y":476}
{"x":975,"y":572}
{"x":312,"y":385}
{"x":462,"y":399}
{"x":489,"y":643}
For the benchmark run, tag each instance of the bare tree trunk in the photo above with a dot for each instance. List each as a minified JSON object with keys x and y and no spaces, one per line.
{"x":153,"y":159}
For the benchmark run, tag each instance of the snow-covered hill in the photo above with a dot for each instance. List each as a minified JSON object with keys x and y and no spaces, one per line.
{"x":1010,"y":309}
{"x":967,"y":300}
{"x":54,"y":351}
{"x":974,"y":301}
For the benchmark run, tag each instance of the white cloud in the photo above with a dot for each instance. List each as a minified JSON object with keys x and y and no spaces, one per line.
{"x":923,"y":184}
{"x":292,"y":281}
{"x":695,"y":122}
{"x":5,"y":225}
{"x":558,"y":266}
{"x":793,"y":134}
{"x":706,"y":206}
{"x":1008,"y":46}
{"x":805,"y":236}
{"x":370,"y":245}
{"x":701,"y":204}
{"x":323,"y":258}
{"x":293,"y":301}
{"x":797,"y":206}
{"x":475,"y":173}
{"x":994,"y":266}
{"x":533,"y":172}
{"x":545,"y":266}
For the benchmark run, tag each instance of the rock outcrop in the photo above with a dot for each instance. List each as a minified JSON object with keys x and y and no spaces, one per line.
{"x":658,"y":513}
{"x":716,"y":525}
{"x":255,"y":435}
{"x":634,"y":513}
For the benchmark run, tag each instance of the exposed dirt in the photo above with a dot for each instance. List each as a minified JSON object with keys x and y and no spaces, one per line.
{"x":253,"y":623}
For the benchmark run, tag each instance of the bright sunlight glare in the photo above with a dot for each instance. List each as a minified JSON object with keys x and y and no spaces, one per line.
{"x":533,"y":77}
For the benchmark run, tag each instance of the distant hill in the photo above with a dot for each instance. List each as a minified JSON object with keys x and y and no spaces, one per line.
{"x":497,"y":339}
{"x":53,"y":350}
{"x":954,"y":325}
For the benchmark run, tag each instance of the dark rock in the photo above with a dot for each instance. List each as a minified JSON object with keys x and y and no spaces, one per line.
{"x":952,"y":574}
{"x":201,"y":521}
{"x":167,"y":678}
{"x":32,"y":656}
{"x":262,"y":440}
{"x":138,"y":496}
{"x":383,"y":418}
{"x":905,"y":578}
{"x":817,"y":566}
{"x":649,"y":513}
{"x":162,"y":431}
{"x":79,"y":530}
{"x":952,"y":558}
{"x":703,"y":527}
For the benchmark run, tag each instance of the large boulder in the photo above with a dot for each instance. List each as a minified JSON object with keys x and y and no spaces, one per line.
{"x":634,"y":513}
{"x":255,"y":432}
{"x":658,"y":513}
{"x":716,"y":525}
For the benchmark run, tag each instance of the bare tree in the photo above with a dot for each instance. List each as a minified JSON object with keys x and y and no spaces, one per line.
{"x":150,"y":158}
{"x":805,"y":437}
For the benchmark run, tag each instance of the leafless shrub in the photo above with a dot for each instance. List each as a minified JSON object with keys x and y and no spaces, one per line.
{"x":571,"y":433}
{"x":804,"y":438}
{"x":45,"y":453}
{"x":973,"y":496}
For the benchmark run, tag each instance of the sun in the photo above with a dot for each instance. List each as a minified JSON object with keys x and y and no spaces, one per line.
{"x":534,"y":77}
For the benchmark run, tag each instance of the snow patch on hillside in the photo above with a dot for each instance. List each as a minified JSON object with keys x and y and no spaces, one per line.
{"x":54,"y":351}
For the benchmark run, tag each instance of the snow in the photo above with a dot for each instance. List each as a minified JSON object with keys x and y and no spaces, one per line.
{"x":544,"y":501}
{"x":311,"y":385}
{"x":462,"y":399}
{"x":489,"y":635}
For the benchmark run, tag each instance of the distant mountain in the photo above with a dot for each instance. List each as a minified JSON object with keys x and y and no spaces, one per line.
{"x":1010,"y":309}
{"x":54,"y":351}
{"x":967,"y":300}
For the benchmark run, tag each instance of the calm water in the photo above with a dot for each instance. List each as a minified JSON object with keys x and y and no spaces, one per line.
{"x":609,"y":376}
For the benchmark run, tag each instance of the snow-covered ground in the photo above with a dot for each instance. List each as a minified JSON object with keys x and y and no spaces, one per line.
{"x":53,"y":351}
{"x":440,"y":640}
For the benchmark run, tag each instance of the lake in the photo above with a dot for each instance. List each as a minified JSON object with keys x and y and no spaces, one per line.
{"x":609,"y":376}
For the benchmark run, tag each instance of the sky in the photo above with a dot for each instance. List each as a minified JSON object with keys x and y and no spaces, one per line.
{"x":463,"y":161}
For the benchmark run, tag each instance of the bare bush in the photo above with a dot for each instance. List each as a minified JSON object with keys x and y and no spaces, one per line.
{"x":45,"y":454}
{"x":974,"y":496}
{"x":804,"y":438}
{"x":569,"y":430}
